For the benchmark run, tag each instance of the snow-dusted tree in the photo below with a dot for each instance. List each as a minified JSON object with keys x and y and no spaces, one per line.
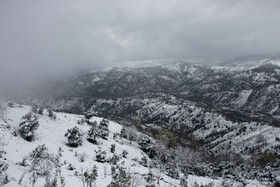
{"x":41,"y":161}
{"x":51,"y":113}
{"x":74,"y":136}
{"x":89,"y":115}
{"x":102,"y":129}
{"x":90,"y":177}
{"x":123,"y":133}
{"x":34,"y":108}
{"x":144,"y":161}
{"x":146,"y":145}
{"x":114,"y":159}
{"x":120,"y":178}
{"x":29,"y":123}
{"x":3,"y":175}
{"x":150,"y":178}
{"x":100,"y":155}
{"x":41,"y":110}
{"x":92,"y":134}
{"x":172,"y":170}
{"x":113,"y":148}
{"x":184,"y":180}
{"x":124,"y":153}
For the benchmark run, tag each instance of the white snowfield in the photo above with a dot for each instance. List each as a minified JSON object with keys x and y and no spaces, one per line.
{"x":51,"y":133}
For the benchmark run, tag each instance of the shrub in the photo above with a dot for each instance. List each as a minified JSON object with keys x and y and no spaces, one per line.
{"x":100,"y":155}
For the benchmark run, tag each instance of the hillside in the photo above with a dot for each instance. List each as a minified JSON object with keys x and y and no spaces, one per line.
{"x":74,"y":161}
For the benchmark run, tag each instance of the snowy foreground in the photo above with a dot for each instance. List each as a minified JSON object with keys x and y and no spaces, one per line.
{"x":83,"y":158}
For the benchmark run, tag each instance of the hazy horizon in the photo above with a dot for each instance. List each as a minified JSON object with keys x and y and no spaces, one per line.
{"x":48,"y":39}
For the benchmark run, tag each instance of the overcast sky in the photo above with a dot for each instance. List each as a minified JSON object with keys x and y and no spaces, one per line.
{"x":57,"y":36}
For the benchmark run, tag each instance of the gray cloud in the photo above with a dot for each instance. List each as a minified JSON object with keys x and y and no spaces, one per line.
{"x":46,"y":38}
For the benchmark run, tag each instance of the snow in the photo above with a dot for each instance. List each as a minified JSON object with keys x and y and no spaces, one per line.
{"x":277,"y":62}
{"x":51,"y":133}
{"x":242,"y":98}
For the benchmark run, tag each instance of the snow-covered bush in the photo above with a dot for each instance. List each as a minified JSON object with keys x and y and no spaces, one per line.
{"x":113,"y":148}
{"x":123,"y":133}
{"x":100,"y":155}
{"x":74,"y":136}
{"x":145,"y":143}
{"x":114,"y":159}
{"x":102,"y":129}
{"x":172,"y":170}
{"x":28,"y":125}
{"x":147,"y":146}
{"x":120,"y":178}
{"x":41,"y":161}
{"x":89,"y":115}
{"x":144,"y":161}
{"x":124,"y":153}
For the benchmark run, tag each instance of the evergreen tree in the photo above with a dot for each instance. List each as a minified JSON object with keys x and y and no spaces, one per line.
{"x":120,"y":178}
{"x":41,"y":161}
{"x":92,"y":134}
{"x":100,"y":155}
{"x":91,"y":177}
{"x":28,"y":125}
{"x":123,"y":133}
{"x":102,"y":129}
{"x":113,"y":148}
{"x":3,"y":175}
{"x":74,"y":137}
{"x":41,"y":110}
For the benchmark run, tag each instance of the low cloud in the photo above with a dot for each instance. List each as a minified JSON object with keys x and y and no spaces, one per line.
{"x":42,"y":39}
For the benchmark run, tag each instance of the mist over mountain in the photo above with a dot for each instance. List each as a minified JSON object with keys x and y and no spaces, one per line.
{"x":146,"y":93}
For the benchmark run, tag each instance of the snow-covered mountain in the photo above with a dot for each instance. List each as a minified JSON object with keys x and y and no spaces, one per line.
{"x":226,"y":117}
{"x":48,"y":160}
{"x":252,"y":89}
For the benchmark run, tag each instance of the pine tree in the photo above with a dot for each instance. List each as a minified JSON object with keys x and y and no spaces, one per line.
{"x":120,"y":178}
{"x":92,"y":134}
{"x":102,"y":129}
{"x":113,"y":148}
{"x":123,"y":133}
{"x":41,"y":161}
{"x":100,"y":155}
{"x":28,"y":125}
{"x":74,"y":137}
{"x":3,"y":175}
{"x":91,"y":177}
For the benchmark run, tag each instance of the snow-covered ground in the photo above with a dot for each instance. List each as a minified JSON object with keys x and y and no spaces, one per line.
{"x":51,"y":133}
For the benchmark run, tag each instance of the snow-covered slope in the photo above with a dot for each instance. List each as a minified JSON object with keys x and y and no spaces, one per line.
{"x":51,"y":133}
